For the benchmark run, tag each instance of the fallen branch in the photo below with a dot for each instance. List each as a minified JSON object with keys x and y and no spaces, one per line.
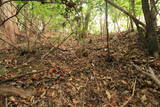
{"x":126,"y":102}
{"x":11,"y":91}
{"x":20,"y":76}
{"x":150,"y":74}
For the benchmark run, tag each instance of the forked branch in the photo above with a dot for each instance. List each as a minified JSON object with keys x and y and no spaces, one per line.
{"x":150,"y":73}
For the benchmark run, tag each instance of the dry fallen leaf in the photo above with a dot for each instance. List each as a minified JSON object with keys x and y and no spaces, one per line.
{"x":143,"y":98}
{"x":26,"y":102}
{"x":12,"y":98}
{"x":124,"y":82}
{"x":52,"y":70}
{"x":108,"y":95}
{"x":157,"y":63}
{"x":35,"y":77}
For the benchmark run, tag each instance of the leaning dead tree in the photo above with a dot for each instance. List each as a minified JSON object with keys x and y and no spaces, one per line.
{"x":141,"y":27}
{"x":126,"y":12}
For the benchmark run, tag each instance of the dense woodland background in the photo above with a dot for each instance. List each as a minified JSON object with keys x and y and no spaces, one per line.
{"x":79,"y":53}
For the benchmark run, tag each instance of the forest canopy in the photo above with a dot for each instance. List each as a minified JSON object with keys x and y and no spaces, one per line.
{"x":65,"y":14}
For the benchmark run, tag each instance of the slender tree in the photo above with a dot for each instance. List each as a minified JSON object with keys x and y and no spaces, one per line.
{"x":132,"y":9}
{"x":86,"y":22}
{"x":107,"y":30}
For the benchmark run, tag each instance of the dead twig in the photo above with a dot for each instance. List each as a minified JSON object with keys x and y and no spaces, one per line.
{"x":129,"y":99}
{"x":150,"y":74}
{"x":57,"y":47}
{"x":18,"y":48}
{"x":35,"y":26}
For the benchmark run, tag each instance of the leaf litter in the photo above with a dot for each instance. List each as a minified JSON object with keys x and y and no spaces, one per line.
{"x":81,"y":76}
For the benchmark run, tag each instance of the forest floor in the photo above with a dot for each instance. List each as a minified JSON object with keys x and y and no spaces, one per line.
{"x":80,"y":75}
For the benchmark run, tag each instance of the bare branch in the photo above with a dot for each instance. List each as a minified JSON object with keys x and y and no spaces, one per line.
{"x":57,"y":47}
{"x":150,"y":74}
{"x":9,"y":43}
{"x":126,"y":102}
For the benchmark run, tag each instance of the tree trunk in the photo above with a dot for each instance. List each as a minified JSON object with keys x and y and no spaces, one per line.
{"x":150,"y":19}
{"x":10,"y":28}
{"x":107,"y":30}
{"x":132,"y":2}
{"x":149,"y":10}
{"x":86,"y":22}
{"x":101,"y":26}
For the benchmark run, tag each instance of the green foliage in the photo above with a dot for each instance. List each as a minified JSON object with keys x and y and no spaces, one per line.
{"x":72,"y":19}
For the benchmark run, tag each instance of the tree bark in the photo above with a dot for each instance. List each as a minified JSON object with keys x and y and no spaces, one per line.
{"x":151,"y":35}
{"x":132,"y":2}
{"x":107,"y":30}
{"x":148,"y":7}
{"x":10,"y":27}
{"x":86,"y":22}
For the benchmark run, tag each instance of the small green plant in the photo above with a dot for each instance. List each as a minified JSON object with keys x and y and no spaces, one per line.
{"x":3,"y":70}
{"x":55,"y":40}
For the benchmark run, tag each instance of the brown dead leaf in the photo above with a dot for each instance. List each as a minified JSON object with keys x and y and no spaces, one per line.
{"x":74,"y":105}
{"x":149,"y":105}
{"x":26,"y":102}
{"x":157,"y":63}
{"x":35,"y":77}
{"x":52,"y":70}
